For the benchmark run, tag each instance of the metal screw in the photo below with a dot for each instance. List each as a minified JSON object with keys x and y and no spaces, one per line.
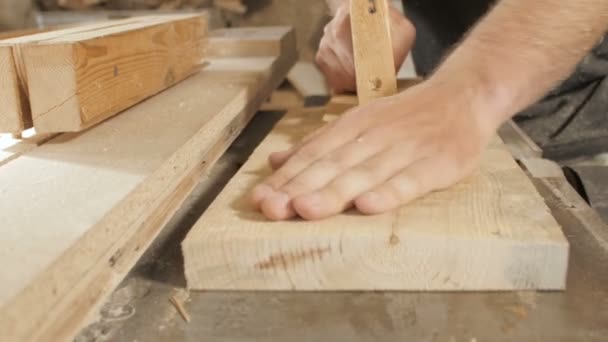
{"x":372,"y":6}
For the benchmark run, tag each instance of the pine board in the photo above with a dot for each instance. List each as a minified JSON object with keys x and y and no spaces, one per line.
{"x":83,"y":207}
{"x":78,"y":80}
{"x":492,"y":231}
{"x":15,"y":113}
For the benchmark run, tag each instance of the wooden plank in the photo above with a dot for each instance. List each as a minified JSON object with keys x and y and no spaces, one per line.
{"x":252,"y":42}
{"x":14,"y":108}
{"x":78,"y":80}
{"x":310,"y":83}
{"x":15,"y":114}
{"x":11,"y":148}
{"x":84,"y":207}
{"x":20,"y":33}
{"x":373,"y":49}
{"x":282,"y":100}
{"x":492,"y":231}
{"x":339,"y":104}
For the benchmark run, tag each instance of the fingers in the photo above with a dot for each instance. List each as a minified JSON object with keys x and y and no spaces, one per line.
{"x":335,"y":55}
{"x":305,"y":155}
{"x":414,"y":181}
{"x":403,"y":34}
{"x":332,"y":67}
{"x":276,"y":202}
{"x":338,"y":194}
{"x":277,"y":159}
{"x":324,"y":170}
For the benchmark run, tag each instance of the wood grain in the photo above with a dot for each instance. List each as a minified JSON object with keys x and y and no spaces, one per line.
{"x":373,"y":49}
{"x":77,"y":80}
{"x":492,"y":231}
{"x":12,"y":98}
{"x":15,"y":114}
{"x":84,"y":207}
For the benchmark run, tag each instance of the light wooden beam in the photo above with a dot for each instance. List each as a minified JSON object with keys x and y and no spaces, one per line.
{"x":78,"y":80}
{"x":15,"y":112}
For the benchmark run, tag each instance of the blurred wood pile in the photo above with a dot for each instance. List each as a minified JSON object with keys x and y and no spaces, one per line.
{"x":235,"y":6}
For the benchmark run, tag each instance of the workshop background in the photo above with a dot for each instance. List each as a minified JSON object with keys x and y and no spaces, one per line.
{"x":307,"y":17}
{"x":584,"y":163}
{"x":139,"y":311}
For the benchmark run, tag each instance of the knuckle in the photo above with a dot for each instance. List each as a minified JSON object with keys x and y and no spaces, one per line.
{"x":297,"y":185}
{"x":406,"y":188}
{"x":366,"y":171}
{"x":326,"y":29}
{"x":306,"y":154}
{"x":343,"y":30}
{"x":338,"y":160}
{"x":277,"y":179}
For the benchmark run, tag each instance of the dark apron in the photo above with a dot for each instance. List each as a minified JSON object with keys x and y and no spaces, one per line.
{"x":571,"y":120}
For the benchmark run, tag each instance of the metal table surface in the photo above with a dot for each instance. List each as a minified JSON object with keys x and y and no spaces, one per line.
{"x":140,"y":309}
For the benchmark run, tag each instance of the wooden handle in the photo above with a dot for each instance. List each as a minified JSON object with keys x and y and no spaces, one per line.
{"x":373,"y":49}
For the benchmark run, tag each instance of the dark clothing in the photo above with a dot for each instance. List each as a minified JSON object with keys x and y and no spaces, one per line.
{"x":571,"y":120}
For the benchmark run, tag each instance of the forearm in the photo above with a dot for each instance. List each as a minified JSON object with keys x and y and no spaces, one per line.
{"x":522,"y":49}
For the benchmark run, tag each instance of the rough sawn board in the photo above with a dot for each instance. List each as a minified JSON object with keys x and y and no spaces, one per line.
{"x":492,"y":231}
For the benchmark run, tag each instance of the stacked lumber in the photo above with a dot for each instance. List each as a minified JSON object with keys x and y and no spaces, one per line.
{"x":235,"y":6}
{"x":79,"y":210}
{"x":70,"y":79}
{"x":492,"y":231}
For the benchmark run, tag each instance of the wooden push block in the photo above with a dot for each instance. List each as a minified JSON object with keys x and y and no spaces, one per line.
{"x":492,"y":231}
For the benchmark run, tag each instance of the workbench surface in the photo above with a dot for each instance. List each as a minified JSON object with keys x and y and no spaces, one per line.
{"x":140,"y":309}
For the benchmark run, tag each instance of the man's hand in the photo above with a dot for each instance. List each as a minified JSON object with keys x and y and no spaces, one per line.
{"x":424,"y":139}
{"x":335,"y":54}
{"x":390,"y":151}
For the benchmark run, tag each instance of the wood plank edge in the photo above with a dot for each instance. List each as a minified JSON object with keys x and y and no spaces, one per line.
{"x":302,"y":263}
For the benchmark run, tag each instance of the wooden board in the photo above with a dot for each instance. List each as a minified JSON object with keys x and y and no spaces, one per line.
{"x":15,"y":114}
{"x":310,"y":83}
{"x":84,"y":207}
{"x":492,"y":231}
{"x":373,"y":49}
{"x":14,"y":108}
{"x":75,"y":81}
{"x":11,"y":148}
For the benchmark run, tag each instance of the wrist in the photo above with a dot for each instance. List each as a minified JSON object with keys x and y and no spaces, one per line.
{"x":492,"y":102}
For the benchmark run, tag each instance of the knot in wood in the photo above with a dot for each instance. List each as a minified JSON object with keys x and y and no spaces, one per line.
{"x":376,"y":84}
